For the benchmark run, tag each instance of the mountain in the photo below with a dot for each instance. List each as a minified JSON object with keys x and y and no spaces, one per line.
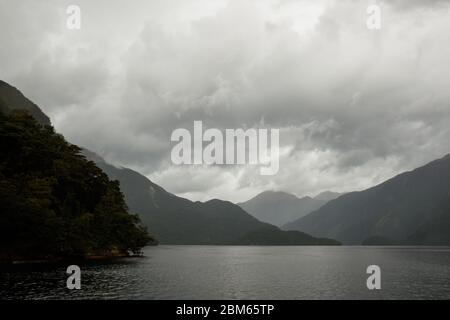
{"x":436,"y":231}
{"x":328,"y":196}
{"x":278,"y":208}
{"x":13,"y":99}
{"x":411,"y":208}
{"x":175,"y":220}
{"x":54,"y":203}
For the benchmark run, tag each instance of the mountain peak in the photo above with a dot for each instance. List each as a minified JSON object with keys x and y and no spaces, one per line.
{"x":12,"y":99}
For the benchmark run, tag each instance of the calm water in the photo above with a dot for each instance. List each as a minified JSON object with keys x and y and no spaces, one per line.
{"x":230,"y":272}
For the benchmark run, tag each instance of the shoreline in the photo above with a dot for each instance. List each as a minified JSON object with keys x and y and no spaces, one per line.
{"x":22,"y":261}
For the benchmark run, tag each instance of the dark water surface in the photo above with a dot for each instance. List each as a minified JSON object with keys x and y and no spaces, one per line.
{"x":249,"y":272}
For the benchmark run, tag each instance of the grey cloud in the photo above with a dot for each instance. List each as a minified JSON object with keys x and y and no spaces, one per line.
{"x":354,"y":106}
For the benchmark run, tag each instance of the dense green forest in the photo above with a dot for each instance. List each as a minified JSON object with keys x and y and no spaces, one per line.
{"x":56,"y":203}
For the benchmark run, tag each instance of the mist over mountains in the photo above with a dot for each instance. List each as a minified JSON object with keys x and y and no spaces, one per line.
{"x":279,"y":208}
{"x":175,"y":220}
{"x":412,"y":208}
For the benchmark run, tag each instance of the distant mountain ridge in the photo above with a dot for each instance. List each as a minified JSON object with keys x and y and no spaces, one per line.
{"x":328,"y":196}
{"x":402,"y":210}
{"x":279,"y":208}
{"x":175,"y":220}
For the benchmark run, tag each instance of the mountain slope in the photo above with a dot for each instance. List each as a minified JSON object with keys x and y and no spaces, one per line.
{"x":396,"y":209}
{"x":278,"y":207}
{"x":437,"y":231}
{"x":13,"y":99}
{"x":175,"y":220}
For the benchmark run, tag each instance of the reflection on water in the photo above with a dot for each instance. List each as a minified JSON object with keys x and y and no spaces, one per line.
{"x":234,"y":272}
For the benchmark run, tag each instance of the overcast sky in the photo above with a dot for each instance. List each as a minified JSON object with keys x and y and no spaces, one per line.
{"x":354,"y":106}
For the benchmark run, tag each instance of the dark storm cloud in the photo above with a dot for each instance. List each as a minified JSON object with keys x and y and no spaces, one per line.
{"x":354,"y":106}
